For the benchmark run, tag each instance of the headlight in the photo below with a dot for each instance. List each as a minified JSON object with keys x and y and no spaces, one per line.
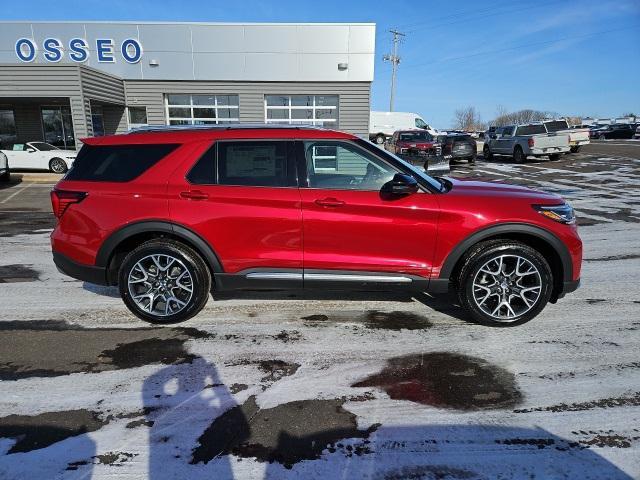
{"x":560,"y":213}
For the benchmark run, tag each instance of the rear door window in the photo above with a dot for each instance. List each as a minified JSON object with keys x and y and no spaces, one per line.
{"x":116,"y":163}
{"x":256,"y":163}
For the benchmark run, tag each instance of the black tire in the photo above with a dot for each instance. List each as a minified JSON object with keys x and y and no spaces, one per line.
{"x":518,"y":155}
{"x":380,"y":139}
{"x":191,"y":260}
{"x":486,"y":152}
{"x":5,"y":177}
{"x":602,"y":137}
{"x":575,"y":149}
{"x":478,"y":256}
{"x":554,"y":156}
{"x":472,"y":159}
{"x":57,"y":165}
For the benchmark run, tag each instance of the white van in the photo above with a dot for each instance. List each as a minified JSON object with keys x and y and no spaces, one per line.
{"x":383,"y":124}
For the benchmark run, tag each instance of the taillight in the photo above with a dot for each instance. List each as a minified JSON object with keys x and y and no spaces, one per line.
{"x":532,"y":142}
{"x":61,"y":199}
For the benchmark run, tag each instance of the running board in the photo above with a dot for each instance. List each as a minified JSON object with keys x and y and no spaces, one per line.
{"x":317,"y":279}
{"x":328,"y":277}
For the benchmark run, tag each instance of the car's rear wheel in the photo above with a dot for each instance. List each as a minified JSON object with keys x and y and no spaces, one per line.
{"x":602,"y":137}
{"x":380,"y":139}
{"x":57,"y":165}
{"x":164,"y":281}
{"x":504,"y":283}
{"x":486,"y":152}
{"x":575,"y":149}
{"x":472,"y":159}
{"x":518,"y":155}
{"x":554,"y":156}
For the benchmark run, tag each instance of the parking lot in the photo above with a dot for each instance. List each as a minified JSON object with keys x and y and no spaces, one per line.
{"x":329,"y":385}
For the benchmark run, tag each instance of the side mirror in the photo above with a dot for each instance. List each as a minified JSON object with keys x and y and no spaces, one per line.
{"x":31,"y":149}
{"x":401,"y":185}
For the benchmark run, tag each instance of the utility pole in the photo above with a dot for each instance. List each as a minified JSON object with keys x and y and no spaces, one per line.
{"x":395,"y":60}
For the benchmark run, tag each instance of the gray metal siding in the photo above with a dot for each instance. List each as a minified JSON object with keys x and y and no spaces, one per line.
{"x":101,"y":86}
{"x":39,"y":80}
{"x":353,"y":108}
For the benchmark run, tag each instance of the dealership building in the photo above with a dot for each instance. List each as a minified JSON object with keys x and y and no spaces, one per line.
{"x":60,"y":82}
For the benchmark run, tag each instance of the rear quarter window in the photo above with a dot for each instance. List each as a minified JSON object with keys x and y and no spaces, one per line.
{"x":116,"y":163}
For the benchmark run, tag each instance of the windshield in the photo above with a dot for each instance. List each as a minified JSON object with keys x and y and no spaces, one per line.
{"x":419,"y":174}
{"x":43,"y":147}
{"x":415,"y":137}
{"x":556,"y":125}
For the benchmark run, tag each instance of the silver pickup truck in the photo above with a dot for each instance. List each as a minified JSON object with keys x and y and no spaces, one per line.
{"x":522,"y":141}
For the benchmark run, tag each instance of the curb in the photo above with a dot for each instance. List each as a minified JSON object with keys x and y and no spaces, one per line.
{"x":50,"y":178}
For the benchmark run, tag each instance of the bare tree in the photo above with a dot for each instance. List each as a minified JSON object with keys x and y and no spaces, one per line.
{"x":468,"y":119}
{"x":521,"y":116}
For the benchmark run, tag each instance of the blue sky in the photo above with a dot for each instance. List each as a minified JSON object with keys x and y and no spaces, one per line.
{"x":573,"y":57}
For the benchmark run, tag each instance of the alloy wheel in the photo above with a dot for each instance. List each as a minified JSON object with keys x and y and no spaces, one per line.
{"x":58,"y":166}
{"x":160,"y":285}
{"x":506,"y":287}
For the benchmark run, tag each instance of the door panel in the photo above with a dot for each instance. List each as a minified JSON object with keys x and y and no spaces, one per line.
{"x":364,"y":232}
{"x":248,"y":226}
{"x":349,"y":225}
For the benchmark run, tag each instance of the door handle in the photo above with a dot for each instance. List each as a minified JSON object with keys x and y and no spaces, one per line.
{"x":194,"y":195}
{"x":329,"y":202}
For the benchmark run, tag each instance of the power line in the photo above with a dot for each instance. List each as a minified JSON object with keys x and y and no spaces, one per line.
{"x":395,"y":60}
{"x":517,"y":47}
{"x":477,"y":14}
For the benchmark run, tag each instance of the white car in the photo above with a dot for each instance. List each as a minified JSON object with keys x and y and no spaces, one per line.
{"x":39,"y":156}
{"x":384,"y":124}
{"x":4,"y":168}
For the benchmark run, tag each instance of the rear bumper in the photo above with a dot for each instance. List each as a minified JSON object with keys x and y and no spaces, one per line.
{"x":86,"y":273}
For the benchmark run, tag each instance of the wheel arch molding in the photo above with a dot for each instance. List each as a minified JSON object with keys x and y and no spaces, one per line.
{"x":139,"y":229}
{"x":510,"y":230}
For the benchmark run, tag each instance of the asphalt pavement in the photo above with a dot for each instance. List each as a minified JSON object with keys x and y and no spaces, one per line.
{"x":329,"y":385}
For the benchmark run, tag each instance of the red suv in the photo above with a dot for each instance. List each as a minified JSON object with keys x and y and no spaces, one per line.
{"x":170,"y":214}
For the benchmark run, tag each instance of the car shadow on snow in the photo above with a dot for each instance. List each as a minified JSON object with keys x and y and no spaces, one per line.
{"x":197,"y":428}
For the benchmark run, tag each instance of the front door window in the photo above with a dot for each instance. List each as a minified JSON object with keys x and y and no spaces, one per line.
{"x":57,"y":126}
{"x":344,"y":166}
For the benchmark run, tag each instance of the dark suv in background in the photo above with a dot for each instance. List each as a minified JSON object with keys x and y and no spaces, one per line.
{"x":170,"y":215}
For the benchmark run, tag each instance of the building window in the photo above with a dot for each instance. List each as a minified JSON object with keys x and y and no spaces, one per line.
{"x":184,"y":109}
{"x":137,"y":117}
{"x":97,"y":120}
{"x":57,"y":126}
{"x":7,"y":128}
{"x":320,"y":110}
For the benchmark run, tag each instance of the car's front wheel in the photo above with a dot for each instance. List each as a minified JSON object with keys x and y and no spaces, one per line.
{"x":380,"y":139}
{"x":57,"y":165}
{"x":164,"y":281}
{"x":504,"y":283}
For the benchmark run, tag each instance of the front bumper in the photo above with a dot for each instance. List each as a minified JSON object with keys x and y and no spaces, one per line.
{"x":86,"y":273}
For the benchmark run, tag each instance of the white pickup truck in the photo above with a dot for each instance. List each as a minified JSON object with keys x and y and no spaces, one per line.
{"x":522,"y":141}
{"x":577,"y":136}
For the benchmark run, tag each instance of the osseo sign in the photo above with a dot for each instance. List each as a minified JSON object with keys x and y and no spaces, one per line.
{"x":78,"y":50}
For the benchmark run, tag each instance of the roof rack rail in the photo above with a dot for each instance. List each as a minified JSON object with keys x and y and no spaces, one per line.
{"x":223,"y":126}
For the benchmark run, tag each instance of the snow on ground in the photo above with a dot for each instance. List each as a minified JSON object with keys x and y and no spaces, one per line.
{"x":558,"y":397}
